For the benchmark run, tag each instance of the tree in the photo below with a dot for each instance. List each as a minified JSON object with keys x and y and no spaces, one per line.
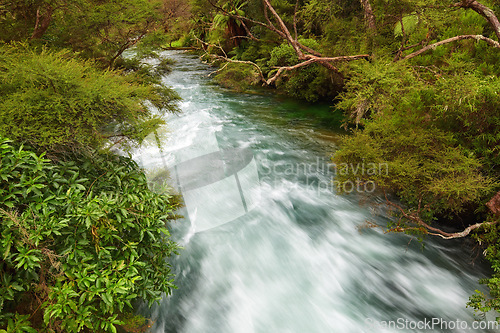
{"x":305,"y":54}
{"x":101,"y":30}
{"x":369,"y":15}
{"x":82,"y":235}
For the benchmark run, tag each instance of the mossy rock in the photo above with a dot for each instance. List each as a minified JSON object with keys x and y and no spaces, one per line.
{"x":239,"y":77}
{"x":134,"y":324}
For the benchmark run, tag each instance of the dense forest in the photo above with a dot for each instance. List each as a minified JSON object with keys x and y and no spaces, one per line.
{"x":83,"y":237}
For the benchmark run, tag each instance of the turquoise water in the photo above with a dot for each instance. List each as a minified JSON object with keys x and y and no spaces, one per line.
{"x":268,"y":244}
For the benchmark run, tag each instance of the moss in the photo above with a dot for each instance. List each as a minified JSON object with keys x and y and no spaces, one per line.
{"x":239,"y":77}
{"x":135,"y":323}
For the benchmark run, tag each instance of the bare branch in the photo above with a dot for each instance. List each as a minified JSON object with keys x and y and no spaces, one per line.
{"x":403,"y":40}
{"x":249,"y":33}
{"x":220,"y":69}
{"x":482,"y":10}
{"x":312,"y":56}
{"x":41,"y":27}
{"x":324,"y":61}
{"x":415,"y":218}
{"x":453,"y":39}
{"x":228,"y":60}
{"x":281,"y":70}
{"x":129,"y":43}
{"x":293,"y":42}
{"x":340,"y":58}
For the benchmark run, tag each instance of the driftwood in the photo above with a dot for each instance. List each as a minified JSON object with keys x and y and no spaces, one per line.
{"x":414,"y":218}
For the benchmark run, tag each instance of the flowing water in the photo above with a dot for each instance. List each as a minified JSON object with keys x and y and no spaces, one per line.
{"x":268,"y":244}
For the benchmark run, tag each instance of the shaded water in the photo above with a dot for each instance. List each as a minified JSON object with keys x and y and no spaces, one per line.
{"x":268,"y":244}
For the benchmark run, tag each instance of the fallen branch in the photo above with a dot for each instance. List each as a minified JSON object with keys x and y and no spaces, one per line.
{"x":224,"y":57}
{"x":305,"y":54}
{"x":219,"y":70}
{"x":415,"y":218}
{"x":490,"y":41}
{"x":482,"y":10}
{"x":324,"y":61}
{"x":229,"y":60}
{"x":281,"y":70}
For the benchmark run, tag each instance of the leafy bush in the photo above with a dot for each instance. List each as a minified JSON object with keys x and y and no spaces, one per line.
{"x":50,"y":100}
{"x":238,"y":76}
{"x":81,"y":241}
{"x":310,"y":83}
{"x":424,"y":166}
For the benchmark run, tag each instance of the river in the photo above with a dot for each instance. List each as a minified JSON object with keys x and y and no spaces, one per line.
{"x":268,"y":245}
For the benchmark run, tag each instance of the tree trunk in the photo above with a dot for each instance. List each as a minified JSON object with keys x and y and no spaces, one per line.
{"x":42,"y":23}
{"x":369,"y":16}
{"x":494,"y":204}
{"x":484,"y":11}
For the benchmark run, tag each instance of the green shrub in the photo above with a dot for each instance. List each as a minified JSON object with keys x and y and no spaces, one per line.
{"x":80,"y":241}
{"x":239,"y":77}
{"x":52,"y":100}
{"x":310,"y":83}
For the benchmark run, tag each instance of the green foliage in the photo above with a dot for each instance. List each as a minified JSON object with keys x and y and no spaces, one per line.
{"x":481,"y":302}
{"x":436,"y":129}
{"x":94,"y":28}
{"x":135,"y":323}
{"x":81,"y":241}
{"x":50,"y":99}
{"x":409,"y":25}
{"x":84,"y":238}
{"x":316,"y":14}
{"x":375,"y":86}
{"x":423,"y":165}
{"x":311,"y":83}
{"x":462,"y":104}
{"x":283,"y":55}
{"x":438,"y":137}
{"x":239,"y":77}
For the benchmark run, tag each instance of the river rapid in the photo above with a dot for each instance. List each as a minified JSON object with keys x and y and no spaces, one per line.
{"x":268,"y":244}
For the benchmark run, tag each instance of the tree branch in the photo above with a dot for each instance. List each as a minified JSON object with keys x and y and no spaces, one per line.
{"x":324,"y":61}
{"x":293,"y":42}
{"x":415,"y":218}
{"x":281,"y":70}
{"x":224,"y":57}
{"x":482,"y":10}
{"x":41,"y":27}
{"x":295,"y":19}
{"x":453,"y":39}
{"x":312,"y":56}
